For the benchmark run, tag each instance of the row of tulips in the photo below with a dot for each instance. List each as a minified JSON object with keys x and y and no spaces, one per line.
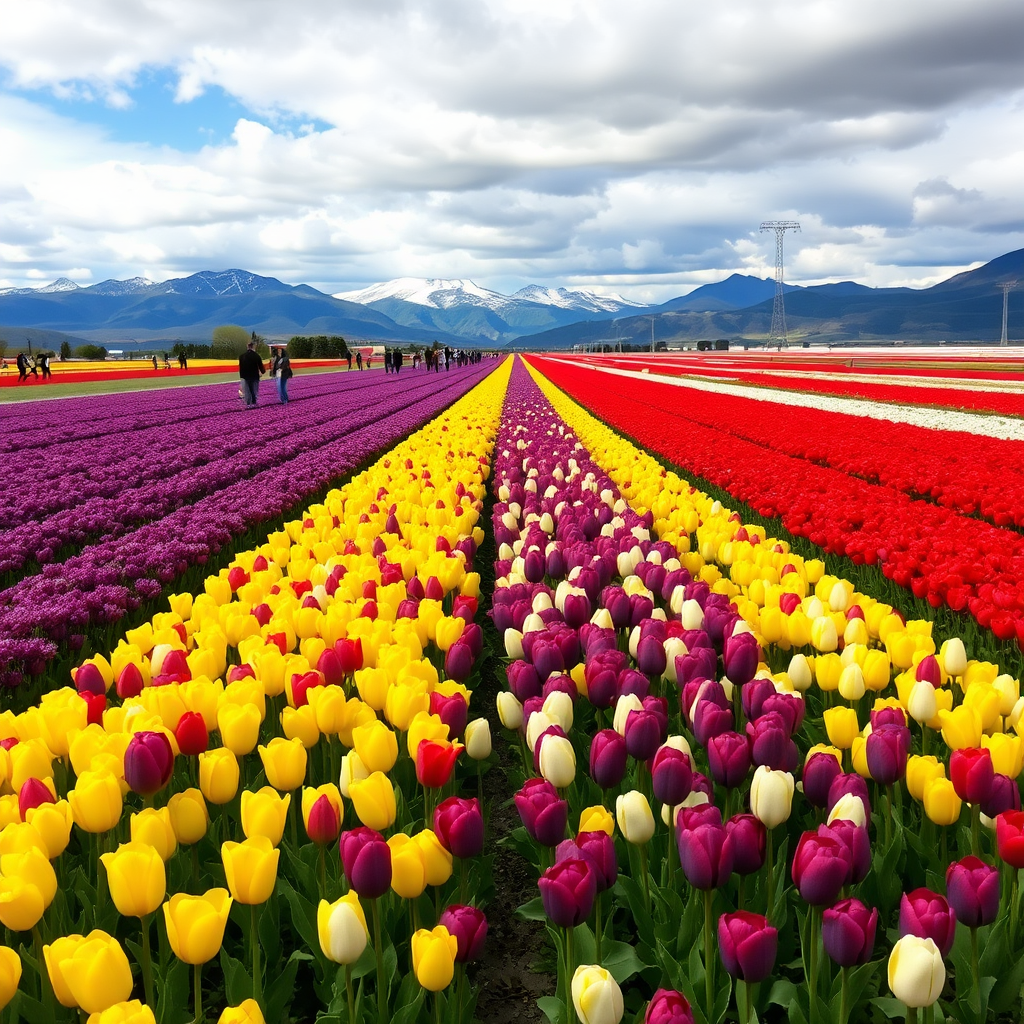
{"x":943,"y":556}
{"x":128,"y":547}
{"x":270,"y":773}
{"x":720,"y":681}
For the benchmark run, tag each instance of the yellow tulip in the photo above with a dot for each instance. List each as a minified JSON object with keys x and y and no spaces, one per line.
{"x":961,"y":727}
{"x":92,"y":972}
{"x":987,"y":701}
{"x":341,"y":927}
{"x":425,"y":726}
{"x":218,"y":775}
{"x":189,"y":816}
{"x":941,"y":803}
{"x":247,"y":1012}
{"x":33,"y":868}
{"x":300,"y":723}
{"x":284,"y":761}
{"x":859,"y":756}
{"x":195,"y":924}
{"x":10,"y":974}
{"x":920,"y":772}
{"x":436,"y":859}
{"x":408,"y":868}
{"x":264,"y":813}
{"x":239,"y":726}
{"x":597,"y":819}
{"x":328,"y":703}
{"x":374,"y":801}
{"x":18,"y":837}
{"x":153,"y":826}
{"x":250,"y":869}
{"x":96,"y":801}
{"x":30,"y":759}
{"x":433,"y":957}
{"x":404,"y":703}
{"x":376,"y":745}
{"x":131,"y":1012}
{"x":53,"y":823}
{"x":373,"y":685}
{"x":842,"y":726}
{"x":877,"y":670}
{"x":137,"y":878}
{"x":1007,"y":753}
{"x":827,"y":670}
{"x":448,"y":630}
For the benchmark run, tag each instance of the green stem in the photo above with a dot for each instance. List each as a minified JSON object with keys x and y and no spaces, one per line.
{"x":976,"y":829}
{"x":911,"y":1015}
{"x":437,"y":1008}
{"x":814,"y":964}
{"x":570,"y":1011}
{"x":598,"y":929}
{"x":321,"y":872}
{"x":975,"y":972}
{"x":147,"y":965}
{"x":888,"y":816}
{"x":646,"y":875}
{"x":844,"y":998}
{"x":739,"y":893}
{"x":463,"y":880}
{"x":295,"y":810}
{"x":378,"y":946}
{"x":769,"y":863}
{"x":1014,"y":899}
{"x":254,"y":937}
{"x":195,"y":869}
{"x":709,"y":960}
{"x":45,"y":988}
{"x":748,"y":990}
{"x":197,"y":985}
{"x":348,"y":994}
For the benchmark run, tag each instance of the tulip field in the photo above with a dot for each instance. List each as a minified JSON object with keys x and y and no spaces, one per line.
{"x":735,"y":678}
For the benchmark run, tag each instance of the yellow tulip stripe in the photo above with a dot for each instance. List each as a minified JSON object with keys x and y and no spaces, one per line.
{"x":339,"y":653}
{"x":838,"y":639}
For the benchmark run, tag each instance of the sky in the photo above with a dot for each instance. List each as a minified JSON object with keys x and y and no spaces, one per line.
{"x":628,"y":148}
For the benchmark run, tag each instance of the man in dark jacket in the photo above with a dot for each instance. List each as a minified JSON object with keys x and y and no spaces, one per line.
{"x":250,"y":369}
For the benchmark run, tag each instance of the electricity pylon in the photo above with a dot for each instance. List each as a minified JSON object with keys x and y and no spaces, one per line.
{"x":1007,"y":287}
{"x":777,"y":335}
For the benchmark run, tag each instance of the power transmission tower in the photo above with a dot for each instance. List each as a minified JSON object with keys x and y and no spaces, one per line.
{"x":1007,"y":287}
{"x":777,"y":335}
{"x":651,"y":318}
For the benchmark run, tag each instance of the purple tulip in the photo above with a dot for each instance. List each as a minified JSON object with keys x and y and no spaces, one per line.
{"x":771,"y":744}
{"x":927,"y":915}
{"x":1003,"y":795}
{"x":753,"y":696}
{"x":576,"y":610}
{"x":821,"y":866}
{"x":598,"y":849}
{"x":459,"y":826}
{"x":886,"y":751}
{"x":469,"y":926}
{"x":366,"y":861}
{"x":710,"y":720}
{"x":671,"y":775}
{"x":858,"y":846}
{"x":748,"y":945}
{"x":88,"y":679}
{"x":568,"y":890}
{"x":650,"y":656}
{"x":543,"y":813}
{"x":740,"y":655}
{"x":148,"y":763}
{"x":607,"y":758}
{"x":972,"y":888}
{"x":706,"y":855}
{"x":729,"y":758}
{"x":852,"y":784}
{"x":601,"y":676}
{"x":633,"y":681}
{"x":523,"y":680}
{"x":749,"y":840}
{"x":820,"y":772}
{"x":848,"y":932}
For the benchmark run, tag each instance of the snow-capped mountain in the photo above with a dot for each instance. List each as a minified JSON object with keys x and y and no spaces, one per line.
{"x":128,"y":287}
{"x":444,"y":294}
{"x":62,"y":284}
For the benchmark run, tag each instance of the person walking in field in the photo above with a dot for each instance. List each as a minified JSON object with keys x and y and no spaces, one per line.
{"x":250,"y":369}
{"x":44,"y":363}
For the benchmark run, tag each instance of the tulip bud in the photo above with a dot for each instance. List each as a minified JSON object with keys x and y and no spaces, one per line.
{"x":478,"y":739}
{"x":136,"y":878}
{"x":1010,"y":838}
{"x":366,"y":861}
{"x":596,"y":996}
{"x":433,"y":957}
{"x":195,"y":924}
{"x":771,"y":796}
{"x":820,"y":868}
{"x":747,"y":944}
{"x":668,"y":1007}
{"x":469,"y":926}
{"x":972,"y":887}
{"x":926,"y":914}
{"x":848,"y":932}
{"x":510,"y":711}
{"x":459,"y":826}
{"x":568,"y":890}
{"x":634,"y":818}
{"x":148,"y":762}
{"x":916,"y":972}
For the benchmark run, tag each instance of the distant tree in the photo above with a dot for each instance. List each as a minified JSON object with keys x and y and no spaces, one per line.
{"x":300,"y":347}
{"x":191,"y":350}
{"x":65,"y":351}
{"x":261,"y":344}
{"x":3,"y":347}
{"x":91,"y":352}
{"x":229,"y":341}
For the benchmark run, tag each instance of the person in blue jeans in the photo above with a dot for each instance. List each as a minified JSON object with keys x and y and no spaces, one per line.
{"x":284,"y":374}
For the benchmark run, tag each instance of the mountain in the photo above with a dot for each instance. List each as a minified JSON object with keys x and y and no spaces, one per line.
{"x":463,"y":308}
{"x":964,"y":308}
{"x":736,"y":292}
{"x":189,"y":308}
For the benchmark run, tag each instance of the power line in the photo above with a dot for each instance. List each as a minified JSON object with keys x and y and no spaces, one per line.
{"x":777,"y":335}
{"x":1007,"y":287}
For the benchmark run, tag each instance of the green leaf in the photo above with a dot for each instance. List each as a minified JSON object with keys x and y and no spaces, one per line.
{"x":366,"y":964}
{"x":1007,"y":988}
{"x":174,"y":995}
{"x":237,"y":980}
{"x":280,"y":991}
{"x":303,"y":914}
{"x":552,"y":1008}
{"x":620,"y":960}
{"x":892,"y":1008}
{"x":408,"y":1013}
{"x":532,"y":911}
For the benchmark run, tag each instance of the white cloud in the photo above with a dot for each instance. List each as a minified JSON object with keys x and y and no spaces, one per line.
{"x":513,"y":140}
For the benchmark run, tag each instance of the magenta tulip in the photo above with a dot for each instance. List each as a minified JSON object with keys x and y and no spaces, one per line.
{"x":459,"y":826}
{"x":927,"y":915}
{"x":668,"y":1007}
{"x":568,"y":890}
{"x":729,"y":758}
{"x":821,"y":866}
{"x":972,"y":888}
{"x":607,"y":758}
{"x":469,"y":926}
{"x":543,"y":813}
{"x":749,"y":839}
{"x":848,"y":932}
{"x":366,"y":861}
{"x":148,"y":762}
{"x":820,"y":772}
{"x":748,"y":945}
{"x":706,"y":855}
